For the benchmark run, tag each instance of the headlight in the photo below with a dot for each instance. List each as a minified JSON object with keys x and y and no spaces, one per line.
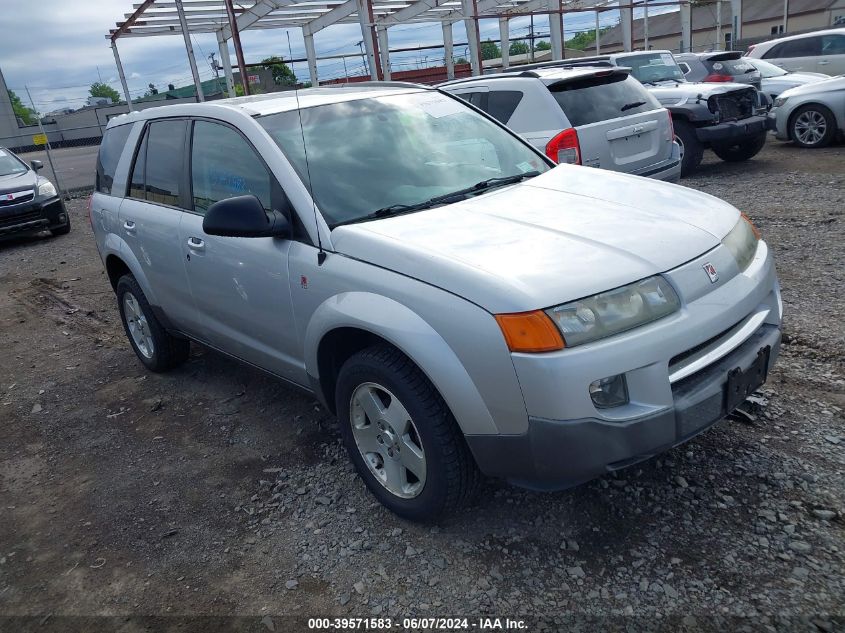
{"x":742,"y":242}
{"x":45,"y":188}
{"x":780,"y":101}
{"x":615,"y":311}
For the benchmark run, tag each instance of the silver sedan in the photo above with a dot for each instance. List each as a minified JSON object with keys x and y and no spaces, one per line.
{"x":812,"y":115}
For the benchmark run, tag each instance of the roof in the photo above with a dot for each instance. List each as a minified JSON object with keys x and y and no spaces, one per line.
{"x":275,"y":102}
{"x":704,"y":18}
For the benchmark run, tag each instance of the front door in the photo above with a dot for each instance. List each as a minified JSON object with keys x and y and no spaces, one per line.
{"x":239,"y":285}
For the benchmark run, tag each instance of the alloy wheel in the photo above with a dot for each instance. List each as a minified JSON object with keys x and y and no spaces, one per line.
{"x":810,"y":127}
{"x":388,"y":440}
{"x":138,"y":326}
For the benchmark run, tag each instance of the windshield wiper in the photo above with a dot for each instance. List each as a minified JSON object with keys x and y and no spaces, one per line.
{"x":455,"y":196}
{"x":630,"y":106}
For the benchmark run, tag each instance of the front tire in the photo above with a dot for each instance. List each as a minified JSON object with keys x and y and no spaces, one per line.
{"x":401,"y":436}
{"x":692,"y":151}
{"x":158,"y":350}
{"x":812,"y":126}
{"x":742,"y":151}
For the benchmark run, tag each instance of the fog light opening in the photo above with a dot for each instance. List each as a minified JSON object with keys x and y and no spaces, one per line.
{"x":609,"y":392}
{"x":62,"y":217}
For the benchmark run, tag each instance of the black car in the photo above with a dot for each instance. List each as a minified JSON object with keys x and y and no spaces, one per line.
{"x":28,"y":202}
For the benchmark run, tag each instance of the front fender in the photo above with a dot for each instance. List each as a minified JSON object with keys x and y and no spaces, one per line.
{"x":408,"y":332}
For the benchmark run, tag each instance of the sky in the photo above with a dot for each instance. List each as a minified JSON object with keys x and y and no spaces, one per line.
{"x":57,"y":48}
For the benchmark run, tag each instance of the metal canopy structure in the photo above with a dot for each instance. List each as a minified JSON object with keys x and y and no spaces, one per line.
{"x":227,"y":19}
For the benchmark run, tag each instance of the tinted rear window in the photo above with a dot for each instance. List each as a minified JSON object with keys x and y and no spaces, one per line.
{"x":111,"y":147}
{"x":499,"y":104}
{"x":165,"y":161}
{"x":602,"y":98}
{"x":802,"y":47}
{"x":733,"y":67}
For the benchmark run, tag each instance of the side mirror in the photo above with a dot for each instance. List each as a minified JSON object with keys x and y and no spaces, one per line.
{"x":244,"y":216}
{"x":36,"y":165}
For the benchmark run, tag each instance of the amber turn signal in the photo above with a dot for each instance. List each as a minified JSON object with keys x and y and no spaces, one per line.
{"x":530,"y":332}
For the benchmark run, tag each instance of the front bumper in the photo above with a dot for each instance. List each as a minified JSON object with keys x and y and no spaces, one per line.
{"x":734,"y":131}
{"x":556,"y":454}
{"x":676,"y":370}
{"x":32,"y":217}
{"x":778,"y":124}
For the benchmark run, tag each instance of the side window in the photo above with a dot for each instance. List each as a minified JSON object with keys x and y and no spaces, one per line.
{"x":684,"y":67}
{"x":478,"y":99}
{"x":111,"y":147}
{"x":804,"y":47}
{"x":136,"y":180}
{"x":833,"y":44}
{"x":224,"y":165}
{"x":502,"y":103}
{"x":165,"y":161}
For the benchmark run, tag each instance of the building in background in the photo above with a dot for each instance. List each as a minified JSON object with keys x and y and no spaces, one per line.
{"x":761,"y":20}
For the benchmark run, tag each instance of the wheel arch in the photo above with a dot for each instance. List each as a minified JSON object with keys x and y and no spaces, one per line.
{"x":120,"y":261}
{"x":349,"y":322}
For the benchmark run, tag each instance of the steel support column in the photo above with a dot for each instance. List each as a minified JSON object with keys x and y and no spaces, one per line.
{"x":311,"y":55}
{"x":190,"y":49}
{"x":449,"y":50}
{"x":556,"y":35}
{"x":384,"y":50}
{"x":736,"y":11}
{"x":121,"y":75}
{"x":223,"y":46}
{"x":468,"y":8}
{"x":645,"y":24}
{"x":236,"y":41}
{"x":626,"y":23}
{"x":686,"y":28}
{"x":505,"y":37}
{"x":365,"y":19}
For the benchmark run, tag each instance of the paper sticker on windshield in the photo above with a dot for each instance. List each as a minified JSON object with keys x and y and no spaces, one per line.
{"x":440,"y":107}
{"x":524,"y":167}
{"x":717,"y":66}
{"x":667,"y":59}
{"x":2,"y":153}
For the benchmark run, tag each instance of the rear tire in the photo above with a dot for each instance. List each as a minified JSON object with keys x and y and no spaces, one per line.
{"x":155,"y":348}
{"x":812,"y":126}
{"x":741,"y":151}
{"x":692,"y":151}
{"x":401,"y":436}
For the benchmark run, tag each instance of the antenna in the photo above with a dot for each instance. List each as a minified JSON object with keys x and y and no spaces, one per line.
{"x":321,"y":254}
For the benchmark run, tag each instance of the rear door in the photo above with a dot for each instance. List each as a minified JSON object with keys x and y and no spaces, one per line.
{"x":620,"y":125}
{"x":240,"y":285}
{"x":150,"y":217}
{"x":832,"y":60}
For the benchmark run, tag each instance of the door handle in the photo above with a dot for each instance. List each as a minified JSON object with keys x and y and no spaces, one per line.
{"x":196,"y":244}
{"x":129,"y":226}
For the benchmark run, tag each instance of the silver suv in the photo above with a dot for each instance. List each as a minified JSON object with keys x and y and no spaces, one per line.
{"x":598,"y":117}
{"x":461,"y":304}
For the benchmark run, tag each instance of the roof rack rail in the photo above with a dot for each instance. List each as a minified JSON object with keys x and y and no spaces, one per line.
{"x":562,"y":63}
{"x":376,"y":84}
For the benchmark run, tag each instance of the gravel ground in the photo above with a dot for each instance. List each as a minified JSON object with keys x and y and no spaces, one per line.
{"x":215,"y":490}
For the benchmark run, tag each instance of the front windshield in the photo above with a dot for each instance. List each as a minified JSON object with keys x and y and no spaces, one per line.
{"x":767,"y":69}
{"x":653,"y":67}
{"x":10,"y":164}
{"x":366,"y":155}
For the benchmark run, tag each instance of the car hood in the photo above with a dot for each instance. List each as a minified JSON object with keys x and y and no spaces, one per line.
{"x":18,"y":182}
{"x":569,"y":233}
{"x":834,"y":84}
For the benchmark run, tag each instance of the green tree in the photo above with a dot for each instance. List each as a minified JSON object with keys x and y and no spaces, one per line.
{"x":282,"y":74}
{"x":152,"y":90}
{"x":99,"y":89}
{"x":489,"y":50}
{"x":519,"y":48}
{"x":461,"y":60}
{"x":543,"y":45}
{"x":585,"y":39}
{"x":27,"y":115}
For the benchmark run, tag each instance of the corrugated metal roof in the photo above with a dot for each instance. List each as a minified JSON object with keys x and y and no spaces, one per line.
{"x":704,"y":17}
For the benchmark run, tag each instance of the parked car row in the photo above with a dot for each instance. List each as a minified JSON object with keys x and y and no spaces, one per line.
{"x":462,"y":299}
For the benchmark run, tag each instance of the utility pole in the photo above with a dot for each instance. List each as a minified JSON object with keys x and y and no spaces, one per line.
{"x":531,"y":41}
{"x":785,"y":16}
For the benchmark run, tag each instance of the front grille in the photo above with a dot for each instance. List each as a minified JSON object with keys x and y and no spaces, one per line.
{"x":25,"y":198}
{"x":20,"y":218}
{"x":693,"y":351}
{"x":733,"y":106}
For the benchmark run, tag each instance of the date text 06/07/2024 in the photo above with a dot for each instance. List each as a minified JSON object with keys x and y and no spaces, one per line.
{"x":417,"y":624}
